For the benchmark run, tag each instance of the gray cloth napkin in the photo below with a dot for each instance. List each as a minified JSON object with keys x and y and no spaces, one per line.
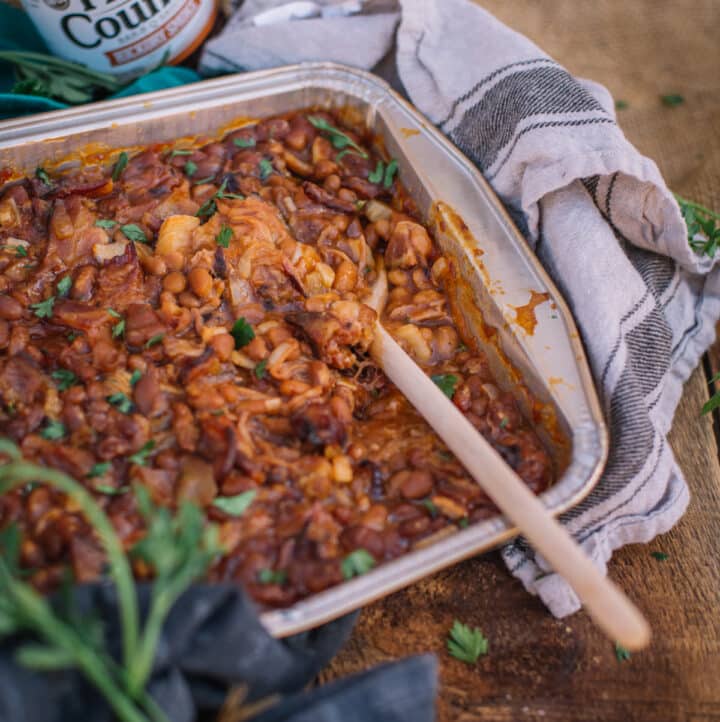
{"x":599,"y":217}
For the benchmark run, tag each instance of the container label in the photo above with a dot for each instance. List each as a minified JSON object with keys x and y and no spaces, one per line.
{"x":121,"y":36}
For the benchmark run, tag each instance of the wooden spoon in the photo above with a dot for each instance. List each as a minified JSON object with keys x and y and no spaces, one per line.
{"x":612,"y":611}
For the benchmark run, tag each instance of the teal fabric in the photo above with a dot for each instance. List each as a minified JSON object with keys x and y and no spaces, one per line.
{"x":18,"y":33}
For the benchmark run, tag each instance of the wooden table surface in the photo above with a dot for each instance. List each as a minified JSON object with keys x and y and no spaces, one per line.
{"x":549,"y":670}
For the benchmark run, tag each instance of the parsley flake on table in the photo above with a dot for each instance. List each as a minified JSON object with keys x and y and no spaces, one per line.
{"x":224,"y":237}
{"x":53,"y":430}
{"x":660,"y":556}
{"x":65,"y":379}
{"x":465,"y":643}
{"x":64,"y":286}
{"x":133,"y":232}
{"x":121,"y":402}
{"x":271,"y":576}
{"x":357,"y":563}
{"x":621,"y":654}
{"x":242,"y":332}
{"x":621,"y":105}
{"x":120,"y":166}
{"x":672,"y":100}
{"x":140,"y":457}
{"x":44,"y":309}
{"x":244,"y":142}
{"x":99,"y":469}
{"x":446,"y":383}
{"x":338,"y":139}
{"x":235,"y":505}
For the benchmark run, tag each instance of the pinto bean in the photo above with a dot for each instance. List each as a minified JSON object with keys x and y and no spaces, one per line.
{"x":10,"y":308}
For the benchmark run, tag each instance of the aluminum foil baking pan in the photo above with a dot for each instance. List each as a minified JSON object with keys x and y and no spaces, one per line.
{"x":505,"y":297}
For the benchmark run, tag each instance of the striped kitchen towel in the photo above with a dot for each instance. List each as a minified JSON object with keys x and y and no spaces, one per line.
{"x":601,"y":220}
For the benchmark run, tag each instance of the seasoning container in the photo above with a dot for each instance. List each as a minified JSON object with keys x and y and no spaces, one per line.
{"x":123,"y":37}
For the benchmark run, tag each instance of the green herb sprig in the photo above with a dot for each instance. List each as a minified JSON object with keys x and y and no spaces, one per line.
{"x":120,"y":166}
{"x":703,"y":226}
{"x":51,"y":77}
{"x":179,"y":549}
{"x":447,"y":383}
{"x":357,"y":563}
{"x":465,"y":643}
{"x":338,"y":139}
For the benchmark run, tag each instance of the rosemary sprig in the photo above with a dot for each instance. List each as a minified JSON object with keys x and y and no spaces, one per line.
{"x":178,"y":548}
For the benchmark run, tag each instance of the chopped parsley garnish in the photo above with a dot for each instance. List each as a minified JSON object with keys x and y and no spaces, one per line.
{"x":235,"y":505}
{"x":190,"y":169}
{"x":65,"y":379}
{"x":446,"y":383}
{"x":202,"y":181}
{"x":244,"y":142}
{"x":223,"y":238}
{"x":20,"y":251}
{"x":53,"y":430}
{"x":503,"y":422}
{"x":660,"y":556}
{"x":44,"y":309}
{"x":120,"y":166}
{"x":105,"y":223}
{"x":621,"y":654}
{"x":135,"y":377}
{"x":99,"y":469}
{"x":133,"y":232}
{"x":242,"y":332}
{"x":339,"y":139}
{"x":209,"y":208}
{"x":272,"y":576}
{"x":672,"y":100}
{"x":377,"y":175}
{"x":111,"y":490}
{"x":119,"y":328}
{"x":465,"y":643}
{"x":357,"y":563}
{"x":464,"y":523}
{"x":41,"y":175}
{"x":140,"y":457}
{"x":180,"y":151}
{"x":64,"y":286}
{"x":266,"y":169}
{"x":259,"y":369}
{"x":430,"y":506}
{"x":121,"y":402}
{"x":390,"y":172}
{"x":155,"y":340}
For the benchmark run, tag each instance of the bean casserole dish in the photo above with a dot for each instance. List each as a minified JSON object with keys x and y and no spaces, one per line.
{"x":194,"y":320}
